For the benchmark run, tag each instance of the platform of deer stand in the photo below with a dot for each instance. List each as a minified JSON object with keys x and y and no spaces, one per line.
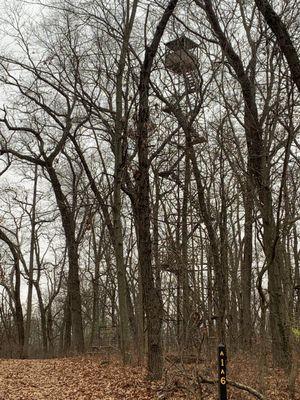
{"x":199,"y":140}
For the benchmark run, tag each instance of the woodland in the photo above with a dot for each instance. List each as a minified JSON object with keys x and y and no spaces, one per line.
{"x":149,"y":202}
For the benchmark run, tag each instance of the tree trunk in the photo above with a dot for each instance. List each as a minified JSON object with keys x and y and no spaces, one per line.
{"x":75,"y":297}
{"x":151,"y":296}
{"x":297,"y":274}
{"x":43,"y":322}
{"x":73,"y":277}
{"x":283,"y":38}
{"x":184,"y":273}
{"x":95,"y":309}
{"x":213,"y":240}
{"x":16,"y":294}
{"x":246,"y":267}
{"x":67,"y":327}
{"x":118,"y":145}
{"x":31,"y":265}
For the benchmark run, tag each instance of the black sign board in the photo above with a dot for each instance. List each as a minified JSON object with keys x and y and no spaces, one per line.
{"x":222,"y":372}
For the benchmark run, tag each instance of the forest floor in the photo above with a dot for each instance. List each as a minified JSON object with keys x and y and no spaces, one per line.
{"x":93,"y":378}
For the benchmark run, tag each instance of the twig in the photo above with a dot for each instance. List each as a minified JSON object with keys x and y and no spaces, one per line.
{"x":241,"y":386}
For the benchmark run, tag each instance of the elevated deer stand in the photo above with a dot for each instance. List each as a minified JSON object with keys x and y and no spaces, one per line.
{"x":182,"y":59}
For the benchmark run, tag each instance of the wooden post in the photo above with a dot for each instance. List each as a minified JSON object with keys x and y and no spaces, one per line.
{"x":222,"y":372}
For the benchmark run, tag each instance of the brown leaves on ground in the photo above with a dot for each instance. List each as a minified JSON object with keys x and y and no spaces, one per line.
{"x":244,"y":368}
{"x":89,"y":378}
{"x":79,"y":378}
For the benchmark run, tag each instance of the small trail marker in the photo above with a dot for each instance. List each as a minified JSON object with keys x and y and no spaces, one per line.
{"x":222,"y":358}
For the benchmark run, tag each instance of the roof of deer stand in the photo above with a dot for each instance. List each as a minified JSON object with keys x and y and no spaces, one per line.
{"x":181,"y":43}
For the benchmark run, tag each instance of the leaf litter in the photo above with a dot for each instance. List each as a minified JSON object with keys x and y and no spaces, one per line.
{"x":91,"y":378}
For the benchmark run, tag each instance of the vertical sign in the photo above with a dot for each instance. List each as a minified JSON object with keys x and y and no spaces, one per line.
{"x":222,"y":372}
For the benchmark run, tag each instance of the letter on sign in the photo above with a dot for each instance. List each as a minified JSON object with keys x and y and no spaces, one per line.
{"x":222,"y":372}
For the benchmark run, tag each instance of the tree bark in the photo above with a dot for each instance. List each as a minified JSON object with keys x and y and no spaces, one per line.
{"x":16,"y":293}
{"x":74,"y":293}
{"x":151,"y":296}
{"x":96,"y":290}
{"x":283,"y":38}
{"x":246,"y":267}
{"x":118,"y":145}
{"x":184,"y":273}
{"x":31,"y":265}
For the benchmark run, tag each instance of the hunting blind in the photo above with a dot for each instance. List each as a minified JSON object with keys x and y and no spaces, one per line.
{"x":181,"y":55}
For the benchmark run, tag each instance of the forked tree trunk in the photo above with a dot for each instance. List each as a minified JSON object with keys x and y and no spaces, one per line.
{"x":74,"y":293}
